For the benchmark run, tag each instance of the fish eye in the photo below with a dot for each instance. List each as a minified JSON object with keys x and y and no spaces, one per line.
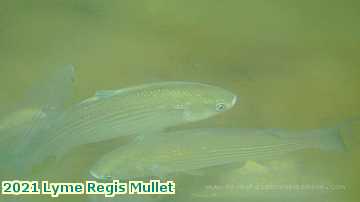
{"x":220,"y":107}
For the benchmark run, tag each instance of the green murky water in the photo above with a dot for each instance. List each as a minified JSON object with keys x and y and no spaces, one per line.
{"x":293,"y":64}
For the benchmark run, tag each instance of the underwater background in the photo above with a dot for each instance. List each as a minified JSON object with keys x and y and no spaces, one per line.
{"x":293,"y":64}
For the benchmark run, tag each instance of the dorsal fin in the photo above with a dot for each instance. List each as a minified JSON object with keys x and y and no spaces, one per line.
{"x":101,"y":94}
{"x":105,"y":93}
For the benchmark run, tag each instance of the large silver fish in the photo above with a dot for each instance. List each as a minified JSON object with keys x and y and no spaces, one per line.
{"x":191,"y":150}
{"x":131,"y":111}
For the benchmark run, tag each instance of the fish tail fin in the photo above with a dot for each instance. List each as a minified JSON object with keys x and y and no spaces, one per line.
{"x":338,"y":138}
{"x":22,"y":165}
{"x":331,"y":140}
{"x":27,"y":159}
{"x":347,"y":130}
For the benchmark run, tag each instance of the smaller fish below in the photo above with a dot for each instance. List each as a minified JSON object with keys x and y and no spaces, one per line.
{"x":276,"y":180}
{"x":187,"y":151}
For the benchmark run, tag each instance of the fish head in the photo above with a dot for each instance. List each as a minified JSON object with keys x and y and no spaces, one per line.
{"x":208,"y":101}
